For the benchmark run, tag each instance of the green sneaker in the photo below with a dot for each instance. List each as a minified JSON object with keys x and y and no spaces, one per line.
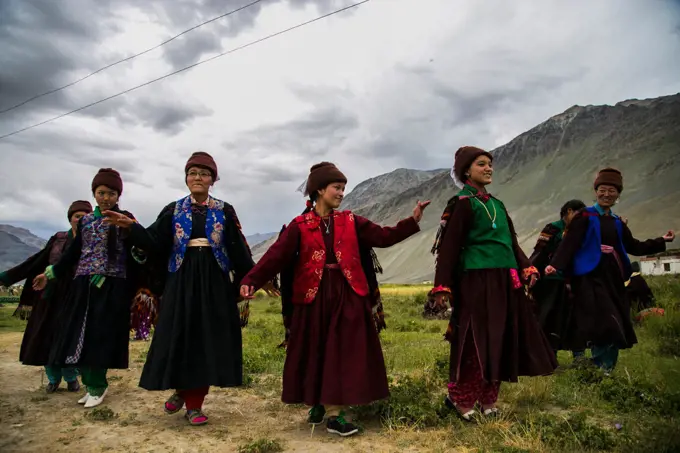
{"x":338,"y":425}
{"x":316,"y":415}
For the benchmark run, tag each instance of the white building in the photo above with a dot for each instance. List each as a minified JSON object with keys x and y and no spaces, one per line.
{"x":664,"y":264}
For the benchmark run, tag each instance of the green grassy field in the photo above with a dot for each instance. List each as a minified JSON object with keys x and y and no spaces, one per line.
{"x":637,"y":409}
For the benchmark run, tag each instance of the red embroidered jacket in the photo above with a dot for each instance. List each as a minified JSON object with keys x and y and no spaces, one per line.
{"x":310,"y":264}
{"x":304,"y":235}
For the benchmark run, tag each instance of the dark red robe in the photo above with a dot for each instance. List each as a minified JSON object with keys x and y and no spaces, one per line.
{"x":487,"y":310}
{"x":334,"y":355}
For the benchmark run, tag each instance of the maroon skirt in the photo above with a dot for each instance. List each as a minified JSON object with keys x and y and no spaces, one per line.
{"x":334,"y":355}
{"x":507,"y":337}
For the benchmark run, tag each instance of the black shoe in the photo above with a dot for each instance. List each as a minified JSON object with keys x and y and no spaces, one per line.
{"x":451,"y":406}
{"x":316,"y":415}
{"x":73,"y":386}
{"x":51,"y":388}
{"x":338,"y":425}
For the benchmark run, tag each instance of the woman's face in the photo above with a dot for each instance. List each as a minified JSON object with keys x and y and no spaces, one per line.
{"x":105,"y":197}
{"x":481,"y":171}
{"x":199,"y":180}
{"x":75,"y":218}
{"x":333,"y":194}
{"x":606,"y":195}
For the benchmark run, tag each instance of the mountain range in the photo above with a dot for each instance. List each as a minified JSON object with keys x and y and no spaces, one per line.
{"x":535,"y":173}
{"x":17,"y":244}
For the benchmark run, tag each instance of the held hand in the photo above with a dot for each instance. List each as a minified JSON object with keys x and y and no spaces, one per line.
{"x":670,"y":236}
{"x":270,"y":290}
{"x":39,"y":282}
{"x":247,"y":292}
{"x":440,"y":299}
{"x":550,"y":270}
{"x":117,"y":219}
{"x":533,"y":280}
{"x":419,"y":209}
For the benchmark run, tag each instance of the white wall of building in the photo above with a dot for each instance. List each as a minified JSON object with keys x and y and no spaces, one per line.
{"x":661,"y":266}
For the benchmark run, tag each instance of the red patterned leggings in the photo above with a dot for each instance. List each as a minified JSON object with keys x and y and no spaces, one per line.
{"x":471,"y":386}
{"x":194,"y":398}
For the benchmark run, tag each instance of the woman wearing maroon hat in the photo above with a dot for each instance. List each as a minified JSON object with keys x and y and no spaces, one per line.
{"x":44,"y":306}
{"x":595,"y":255}
{"x":95,"y":323}
{"x":334,"y":358}
{"x":197,"y":341}
{"x":481,"y":268}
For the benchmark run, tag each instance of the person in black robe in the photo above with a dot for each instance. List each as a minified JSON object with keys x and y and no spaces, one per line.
{"x":94,"y":326}
{"x":552,"y":293}
{"x":197,"y":340}
{"x":639,"y":293}
{"x":595,"y":254}
{"x":43,"y":307}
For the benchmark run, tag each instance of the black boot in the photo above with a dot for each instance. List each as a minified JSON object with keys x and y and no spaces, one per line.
{"x":51,"y":388}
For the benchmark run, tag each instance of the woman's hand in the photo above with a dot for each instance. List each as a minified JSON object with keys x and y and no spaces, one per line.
{"x":39,"y":282}
{"x":419,"y":209}
{"x":533,"y":279}
{"x":550,"y":270}
{"x":271,"y":290}
{"x":247,"y":292}
{"x":670,"y":236}
{"x":117,"y":219}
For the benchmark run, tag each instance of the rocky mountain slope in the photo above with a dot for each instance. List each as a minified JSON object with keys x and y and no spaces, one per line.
{"x":17,"y":244}
{"x":383,"y":188}
{"x":369,"y":194}
{"x":542,"y":168}
{"x":535,"y":174}
{"x":258,"y":238}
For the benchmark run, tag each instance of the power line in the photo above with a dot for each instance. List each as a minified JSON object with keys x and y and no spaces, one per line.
{"x":129,"y":58}
{"x":185,"y":68}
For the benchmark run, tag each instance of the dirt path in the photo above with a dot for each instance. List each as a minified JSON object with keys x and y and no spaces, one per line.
{"x":31,"y":420}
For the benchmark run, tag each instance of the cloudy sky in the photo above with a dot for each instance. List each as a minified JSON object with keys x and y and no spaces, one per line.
{"x":391,"y":83}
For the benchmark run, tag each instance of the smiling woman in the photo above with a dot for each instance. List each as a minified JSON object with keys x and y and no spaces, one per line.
{"x":483,"y":271}
{"x":93,"y":335}
{"x":197,"y":342}
{"x":595,"y":253}
{"x":332,"y":308}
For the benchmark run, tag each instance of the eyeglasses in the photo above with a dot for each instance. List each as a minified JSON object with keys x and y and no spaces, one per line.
{"x":607,"y":192}
{"x":200,"y":174}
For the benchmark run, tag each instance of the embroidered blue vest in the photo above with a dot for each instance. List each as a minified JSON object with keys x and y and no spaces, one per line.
{"x":588,"y":256}
{"x":182,"y":222}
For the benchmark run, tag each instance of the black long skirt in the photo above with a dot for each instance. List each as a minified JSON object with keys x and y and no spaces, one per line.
{"x":334,"y":355}
{"x":94,"y":327}
{"x":553,"y":301}
{"x":600,"y":310}
{"x":43,"y":325}
{"x":197,"y":341}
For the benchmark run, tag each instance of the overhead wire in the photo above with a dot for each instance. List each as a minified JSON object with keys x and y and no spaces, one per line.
{"x":214,"y":57}
{"x":54,"y":90}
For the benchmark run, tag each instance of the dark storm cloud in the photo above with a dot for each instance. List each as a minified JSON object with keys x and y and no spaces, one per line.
{"x":192,"y":47}
{"x":65,"y":48}
{"x":46,"y":45}
{"x":310,"y":136}
{"x":163,"y":114}
{"x":43,"y":43}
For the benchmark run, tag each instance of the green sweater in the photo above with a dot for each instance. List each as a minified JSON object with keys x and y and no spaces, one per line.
{"x":487,"y":247}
